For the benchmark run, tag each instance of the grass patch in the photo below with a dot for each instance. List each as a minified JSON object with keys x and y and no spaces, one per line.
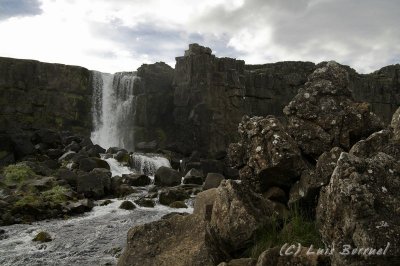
{"x":298,"y":228}
{"x":55,"y":195}
{"x":29,"y":199}
{"x":17,"y":173}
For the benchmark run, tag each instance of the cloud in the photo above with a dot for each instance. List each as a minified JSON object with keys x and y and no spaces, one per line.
{"x":19,"y":8}
{"x":122,"y":34}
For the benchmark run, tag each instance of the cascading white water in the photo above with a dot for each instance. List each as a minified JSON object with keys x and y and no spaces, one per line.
{"x":113,"y":109}
{"x":148,"y":164}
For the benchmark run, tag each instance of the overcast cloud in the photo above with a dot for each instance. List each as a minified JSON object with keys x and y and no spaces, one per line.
{"x":120,"y":35}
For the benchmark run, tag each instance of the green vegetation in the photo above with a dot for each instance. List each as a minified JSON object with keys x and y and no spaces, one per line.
{"x":17,"y":173}
{"x":29,"y":199}
{"x":55,"y":195}
{"x":160,"y":135}
{"x":296,"y":229}
{"x":42,"y":237}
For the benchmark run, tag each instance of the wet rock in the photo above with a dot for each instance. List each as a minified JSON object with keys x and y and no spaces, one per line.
{"x":136,"y":180}
{"x":67,"y":156}
{"x":159,"y":242}
{"x":213,"y":180}
{"x":148,"y":203}
{"x":236,"y":215}
{"x":54,"y":153}
{"x":266,"y":155}
{"x":106,"y":202}
{"x":147,"y":146}
{"x":95,"y":184}
{"x":167,"y":177}
{"x":171,"y":214}
{"x":88,"y":164}
{"x":170,"y":195}
{"x":80,"y":206}
{"x":194,"y":176}
{"x":324,"y":115}
{"x":127,"y":205}
{"x":73,"y":146}
{"x":178,"y":205}
{"x":122,"y":156}
{"x":42,"y":237}
{"x":360,"y":207}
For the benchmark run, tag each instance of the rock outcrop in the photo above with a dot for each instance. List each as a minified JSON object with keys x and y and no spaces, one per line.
{"x":266,"y":154}
{"x":324,"y":115}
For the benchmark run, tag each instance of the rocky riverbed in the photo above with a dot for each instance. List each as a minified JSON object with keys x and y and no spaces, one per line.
{"x":94,"y":238}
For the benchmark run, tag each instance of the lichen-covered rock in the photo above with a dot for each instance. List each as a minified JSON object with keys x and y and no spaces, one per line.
{"x":42,"y":237}
{"x":304,"y":193}
{"x":395,"y":124}
{"x":324,"y":115}
{"x":239,"y":262}
{"x":360,"y":207}
{"x":237,"y":213}
{"x":266,"y":155}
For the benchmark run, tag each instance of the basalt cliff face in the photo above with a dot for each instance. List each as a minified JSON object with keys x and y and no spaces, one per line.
{"x":212,"y":94}
{"x":196,"y":106}
{"x":36,"y":95}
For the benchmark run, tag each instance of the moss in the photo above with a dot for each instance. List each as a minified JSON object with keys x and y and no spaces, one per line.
{"x":55,"y":195}
{"x":42,"y":237}
{"x":17,"y":173}
{"x":33,"y":200}
{"x":298,"y":228}
{"x":160,"y":135}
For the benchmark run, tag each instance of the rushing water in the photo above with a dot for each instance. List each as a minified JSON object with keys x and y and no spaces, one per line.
{"x":88,"y":239}
{"x":113,"y":109}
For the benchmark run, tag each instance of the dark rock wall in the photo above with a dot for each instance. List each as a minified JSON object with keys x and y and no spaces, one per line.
{"x":37,"y":95}
{"x":212,"y":94}
{"x":154,"y":103}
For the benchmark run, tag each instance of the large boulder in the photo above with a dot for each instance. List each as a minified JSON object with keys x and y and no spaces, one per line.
{"x":170,"y":195}
{"x":324,"y":115}
{"x":266,"y":155}
{"x":88,"y":164}
{"x":95,"y":184}
{"x":166,"y":176}
{"x":194,"y":176}
{"x":237,"y":214}
{"x":178,"y":240}
{"x":272,"y":256}
{"x":360,"y":208}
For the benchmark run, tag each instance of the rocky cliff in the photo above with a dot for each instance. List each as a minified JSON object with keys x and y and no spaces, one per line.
{"x":212,"y":94}
{"x":36,"y":95}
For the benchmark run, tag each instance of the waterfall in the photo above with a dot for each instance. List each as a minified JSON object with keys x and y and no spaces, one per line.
{"x":113,"y":107}
{"x":148,"y":164}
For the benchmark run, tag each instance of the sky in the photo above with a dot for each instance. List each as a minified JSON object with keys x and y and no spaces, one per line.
{"x":120,"y":35}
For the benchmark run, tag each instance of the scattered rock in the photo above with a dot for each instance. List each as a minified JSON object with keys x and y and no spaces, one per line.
{"x":127,"y":205}
{"x":136,"y":180}
{"x":148,"y":203}
{"x":88,"y":164}
{"x":95,"y":184}
{"x":167,"y":177}
{"x":194,"y":176}
{"x":42,"y":237}
{"x":106,"y":202}
{"x":276,"y":194}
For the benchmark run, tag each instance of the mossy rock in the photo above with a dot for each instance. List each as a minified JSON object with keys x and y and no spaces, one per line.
{"x":17,"y":173}
{"x":42,"y":237}
{"x":56,"y":194}
{"x":127,"y":205}
{"x":178,"y":205}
